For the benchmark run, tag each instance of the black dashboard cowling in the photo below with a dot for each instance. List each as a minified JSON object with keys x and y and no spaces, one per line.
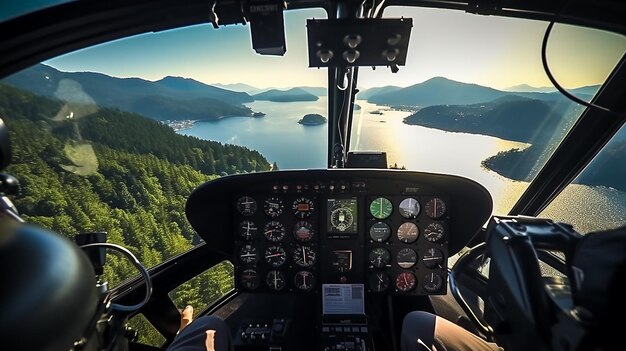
{"x":209,"y":208}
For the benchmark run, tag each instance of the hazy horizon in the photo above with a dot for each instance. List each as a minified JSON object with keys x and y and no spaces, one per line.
{"x":312,"y":86}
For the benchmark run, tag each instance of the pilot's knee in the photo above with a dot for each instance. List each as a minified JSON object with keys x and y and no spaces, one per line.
{"x":418,"y":320}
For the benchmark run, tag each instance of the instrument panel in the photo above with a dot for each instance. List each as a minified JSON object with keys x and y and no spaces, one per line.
{"x":293,"y":231}
{"x":399,"y":241}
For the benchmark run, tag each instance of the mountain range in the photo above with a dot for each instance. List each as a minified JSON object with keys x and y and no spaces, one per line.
{"x":289,"y":95}
{"x":443,"y":91}
{"x":529,"y":88}
{"x":168,"y":98}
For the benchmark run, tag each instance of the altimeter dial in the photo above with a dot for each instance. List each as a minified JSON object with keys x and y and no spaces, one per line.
{"x":275,"y":256}
{"x":274,"y":231}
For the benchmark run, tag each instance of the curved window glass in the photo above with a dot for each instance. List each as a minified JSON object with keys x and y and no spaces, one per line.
{"x":596,"y":199}
{"x":473,"y":99}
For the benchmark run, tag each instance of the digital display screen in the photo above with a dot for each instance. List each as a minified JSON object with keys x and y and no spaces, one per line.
{"x":342,"y":216}
{"x":345,"y":299}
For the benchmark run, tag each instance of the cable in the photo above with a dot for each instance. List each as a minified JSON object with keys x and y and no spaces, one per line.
{"x":341,"y":141}
{"x":556,"y":84}
{"x":139,"y":266}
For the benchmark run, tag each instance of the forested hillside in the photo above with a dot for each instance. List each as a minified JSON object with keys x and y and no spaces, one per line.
{"x":116,"y":172}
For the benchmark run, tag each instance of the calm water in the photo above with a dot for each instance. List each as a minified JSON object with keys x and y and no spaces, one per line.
{"x":280,"y":138}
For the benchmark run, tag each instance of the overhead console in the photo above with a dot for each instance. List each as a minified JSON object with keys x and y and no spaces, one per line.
{"x":384,"y":231}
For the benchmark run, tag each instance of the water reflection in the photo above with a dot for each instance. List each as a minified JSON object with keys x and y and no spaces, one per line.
{"x":433,"y":150}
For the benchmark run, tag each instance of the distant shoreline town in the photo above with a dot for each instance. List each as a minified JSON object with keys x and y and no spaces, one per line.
{"x":179,"y":125}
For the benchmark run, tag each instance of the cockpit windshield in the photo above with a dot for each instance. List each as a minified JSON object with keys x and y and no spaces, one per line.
{"x":125,"y":130}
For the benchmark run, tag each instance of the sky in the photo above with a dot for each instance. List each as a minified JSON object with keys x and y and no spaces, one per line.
{"x":490,"y":51}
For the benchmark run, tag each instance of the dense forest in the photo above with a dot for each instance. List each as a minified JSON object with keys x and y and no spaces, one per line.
{"x":121,"y":173}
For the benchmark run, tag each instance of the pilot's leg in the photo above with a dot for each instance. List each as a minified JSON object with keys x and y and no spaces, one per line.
{"x":423,"y":331}
{"x":204,"y":334}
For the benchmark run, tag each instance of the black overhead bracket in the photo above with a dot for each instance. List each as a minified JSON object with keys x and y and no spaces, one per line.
{"x":484,"y":7}
{"x":267,"y":26}
{"x":358,"y":42}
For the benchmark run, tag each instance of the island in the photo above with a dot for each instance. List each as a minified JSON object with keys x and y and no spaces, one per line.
{"x":290,"y":95}
{"x":312,"y":119}
{"x":258,"y":114}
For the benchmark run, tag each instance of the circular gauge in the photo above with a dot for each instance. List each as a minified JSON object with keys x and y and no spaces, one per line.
{"x":380,"y":232}
{"x":304,"y":280}
{"x":341,"y":218}
{"x":303,"y":231}
{"x":408,"y":232}
{"x":433,"y":282}
{"x":406,"y":258}
{"x":274,"y":231}
{"x":249,"y":279}
{"x":275,"y":256}
{"x":406,"y":281}
{"x":275,"y":280}
{"x":248,"y":230}
{"x":381,"y":208}
{"x":380,"y":257}
{"x":246,"y":205}
{"x":434,"y":232}
{"x":302,"y":207}
{"x":248,"y":255}
{"x":273,"y":207}
{"x":379,"y":281}
{"x":435,"y":208}
{"x":304,"y":256}
{"x":409,"y":208}
{"x":433,"y":258}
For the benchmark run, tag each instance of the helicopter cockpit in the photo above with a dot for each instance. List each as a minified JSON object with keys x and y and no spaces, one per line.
{"x":333,"y":250}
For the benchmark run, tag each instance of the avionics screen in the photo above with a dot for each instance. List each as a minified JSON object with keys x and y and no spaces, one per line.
{"x":342,"y":216}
